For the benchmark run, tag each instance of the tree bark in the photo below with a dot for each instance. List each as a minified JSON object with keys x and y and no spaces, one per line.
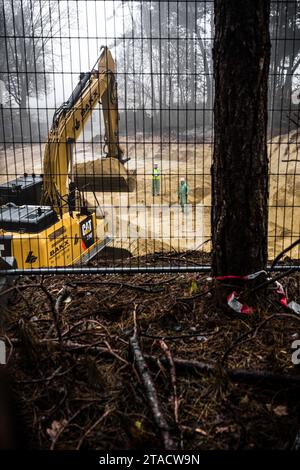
{"x":240,"y":163}
{"x":24,"y":116}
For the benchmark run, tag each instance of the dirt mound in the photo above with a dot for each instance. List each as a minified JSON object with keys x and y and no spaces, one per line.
{"x":141,"y":247}
{"x":185,"y":153}
{"x":199,"y":194}
{"x":284,"y":191}
{"x":101,"y":166}
{"x":284,"y":152}
{"x":176,"y":160}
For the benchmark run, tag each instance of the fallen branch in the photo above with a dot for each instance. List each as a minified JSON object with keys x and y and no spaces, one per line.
{"x":118,"y":284}
{"x":116,"y":355}
{"x":273,"y":280}
{"x":193,"y":297}
{"x":169,"y":357}
{"x":73,"y":347}
{"x":149,"y":387}
{"x":165,"y":281}
{"x":66,"y":424}
{"x":174,"y":337}
{"x":91,"y":428}
{"x":53,"y":311}
{"x":62,"y":295}
{"x":253,"y":376}
{"x":19,"y":286}
{"x":246,"y":336}
{"x":56,"y":309}
{"x":55,"y":306}
{"x":54,"y":375}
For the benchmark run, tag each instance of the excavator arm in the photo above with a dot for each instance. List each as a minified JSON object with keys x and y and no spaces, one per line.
{"x":97,"y":86}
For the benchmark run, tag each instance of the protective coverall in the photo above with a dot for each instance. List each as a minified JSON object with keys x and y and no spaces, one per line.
{"x":183,"y":194}
{"x":155,"y":181}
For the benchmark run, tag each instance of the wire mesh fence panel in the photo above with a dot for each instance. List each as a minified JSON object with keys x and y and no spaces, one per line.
{"x":106,"y":133}
{"x":284,"y":171}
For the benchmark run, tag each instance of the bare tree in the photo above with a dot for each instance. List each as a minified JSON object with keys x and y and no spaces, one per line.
{"x":168,"y":61}
{"x":285,"y":61}
{"x":28,"y":27}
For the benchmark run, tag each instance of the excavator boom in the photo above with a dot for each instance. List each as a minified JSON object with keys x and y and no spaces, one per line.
{"x":97,"y":86}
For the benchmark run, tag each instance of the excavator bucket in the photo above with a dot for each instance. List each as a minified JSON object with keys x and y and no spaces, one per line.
{"x":104,"y":175}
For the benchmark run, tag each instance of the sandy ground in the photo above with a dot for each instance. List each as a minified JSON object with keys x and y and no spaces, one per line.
{"x":144,"y":224}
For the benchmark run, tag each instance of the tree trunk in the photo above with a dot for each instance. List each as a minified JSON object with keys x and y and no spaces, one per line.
{"x":240,"y":162}
{"x":24,"y":116}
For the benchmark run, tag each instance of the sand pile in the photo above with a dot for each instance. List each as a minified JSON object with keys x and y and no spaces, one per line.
{"x":198,"y":194}
{"x":101,"y":166}
{"x":190,"y":154}
{"x":284,"y":150}
{"x":284,"y":190}
{"x":284,"y":193}
{"x":142,"y":246}
{"x":193,"y":162}
{"x":202,"y":194}
{"x":177,"y":160}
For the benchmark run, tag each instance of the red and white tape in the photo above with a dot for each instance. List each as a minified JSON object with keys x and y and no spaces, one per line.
{"x":237,"y":306}
{"x":294,"y":306}
{"x":233,"y":298}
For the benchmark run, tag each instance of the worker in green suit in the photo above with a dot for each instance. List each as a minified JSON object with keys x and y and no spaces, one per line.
{"x":156,"y":180}
{"x":183,"y":193}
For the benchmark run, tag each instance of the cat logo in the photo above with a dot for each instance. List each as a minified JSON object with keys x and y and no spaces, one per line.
{"x":87,"y":228}
{"x":87,"y":233}
{"x":31,"y":258}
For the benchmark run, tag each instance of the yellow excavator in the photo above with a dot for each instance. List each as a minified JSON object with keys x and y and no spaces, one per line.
{"x":44,"y":220}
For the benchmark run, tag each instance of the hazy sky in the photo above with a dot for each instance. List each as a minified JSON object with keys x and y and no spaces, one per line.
{"x":89,"y":25}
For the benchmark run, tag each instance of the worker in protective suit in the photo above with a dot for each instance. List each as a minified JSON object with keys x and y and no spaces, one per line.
{"x":183,"y":193}
{"x":155,"y":180}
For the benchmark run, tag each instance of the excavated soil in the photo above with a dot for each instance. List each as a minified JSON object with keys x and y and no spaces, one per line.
{"x":177,"y":160}
{"x":104,"y":166}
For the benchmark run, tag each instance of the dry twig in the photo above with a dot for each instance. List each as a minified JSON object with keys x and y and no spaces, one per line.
{"x":259,"y":377}
{"x":149,"y":387}
{"x":169,"y":357}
